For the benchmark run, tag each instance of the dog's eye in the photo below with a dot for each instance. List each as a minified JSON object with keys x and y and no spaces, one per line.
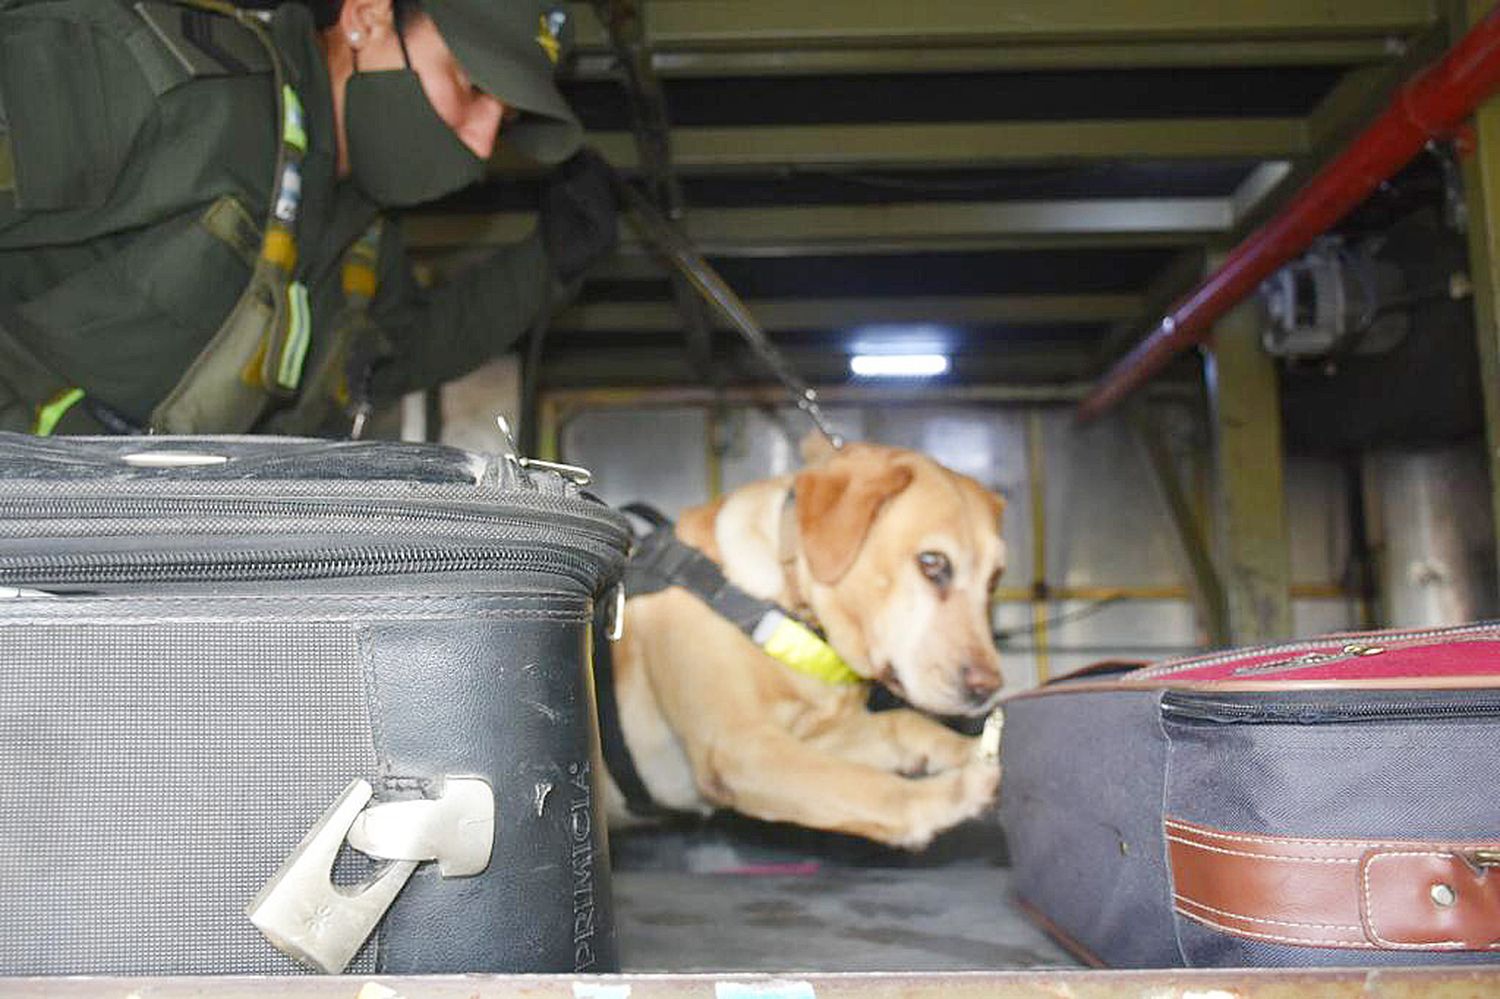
{"x":936,"y":567}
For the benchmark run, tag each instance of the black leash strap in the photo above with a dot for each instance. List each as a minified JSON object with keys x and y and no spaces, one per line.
{"x":611,"y":732}
{"x":611,"y":735}
{"x":660,"y":561}
{"x":677,"y":249}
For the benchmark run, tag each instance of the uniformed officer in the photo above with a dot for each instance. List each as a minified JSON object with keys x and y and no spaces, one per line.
{"x":191,"y":228}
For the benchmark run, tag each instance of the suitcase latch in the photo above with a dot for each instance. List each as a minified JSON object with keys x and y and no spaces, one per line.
{"x":1485,"y":858}
{"x":322,"y":925}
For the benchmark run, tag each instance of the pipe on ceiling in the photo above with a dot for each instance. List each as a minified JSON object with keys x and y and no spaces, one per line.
{"x":1430,"y":105}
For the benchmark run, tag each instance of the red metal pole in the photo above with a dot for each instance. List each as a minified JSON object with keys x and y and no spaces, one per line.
{"x":1430,"y":105}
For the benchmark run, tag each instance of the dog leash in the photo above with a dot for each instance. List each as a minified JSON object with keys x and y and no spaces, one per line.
{"x":677,"y":248}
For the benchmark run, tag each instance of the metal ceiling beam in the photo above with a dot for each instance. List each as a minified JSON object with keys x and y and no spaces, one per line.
{"x":737,"y":25}
{"x":1481,"y":180}
{"x":1348,"y":107}
{"x":1169,"y":284}
{"x":961,"y":144}
{"x":634,"y":257}
{"x":1430,"y":106}
{"x":781,"y":61}
{"x":1254,"y":189}
{"x":625,"y":22}
{"x":860,"y":229}
{"x":838,"y":313}
{"x":616,"y":366}
{"x":856,"y":394}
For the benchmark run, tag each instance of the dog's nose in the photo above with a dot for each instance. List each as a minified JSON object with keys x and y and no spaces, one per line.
{"x":980,"y":682}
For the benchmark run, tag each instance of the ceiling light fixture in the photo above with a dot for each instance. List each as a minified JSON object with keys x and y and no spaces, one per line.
{"x":898,"y":365}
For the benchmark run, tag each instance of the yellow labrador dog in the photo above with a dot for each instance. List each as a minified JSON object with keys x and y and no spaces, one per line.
{"x":896,"y":558}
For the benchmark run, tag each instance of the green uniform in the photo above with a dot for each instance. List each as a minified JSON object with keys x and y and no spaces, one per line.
{"x":132,"y":202}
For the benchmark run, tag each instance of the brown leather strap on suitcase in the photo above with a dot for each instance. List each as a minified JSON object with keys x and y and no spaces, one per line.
{"x":1373,"y":894}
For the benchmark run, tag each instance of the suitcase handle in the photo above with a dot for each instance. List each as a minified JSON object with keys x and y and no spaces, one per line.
{"x":322,"y":925}
{"x":172,"y":459}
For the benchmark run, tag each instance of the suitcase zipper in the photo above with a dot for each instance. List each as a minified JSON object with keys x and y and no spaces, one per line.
{"x":405,"y":511}
{"x":1384,"y":639}
{"x":1326,"y":710}
{"x":1307,"y":660}
{"x":581,"y":547}
{"x":219,"y":567}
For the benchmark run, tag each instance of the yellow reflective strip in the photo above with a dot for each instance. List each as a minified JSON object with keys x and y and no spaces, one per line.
{"x":795,"y":645}
{"x":50,"y":413}
{"x":293,"y":130}
{"x":359,"y":280}
{"x":360,"y":261}
{"x":546,"y":37}
{"x":294,"y":350}
{"x":280,"y":248}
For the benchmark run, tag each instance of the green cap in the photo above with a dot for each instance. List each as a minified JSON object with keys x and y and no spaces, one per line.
{"x":510,"y":49}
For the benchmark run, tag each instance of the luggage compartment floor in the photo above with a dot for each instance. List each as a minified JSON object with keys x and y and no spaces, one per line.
{"x":953,"y":919}
{"x":711,"y":903}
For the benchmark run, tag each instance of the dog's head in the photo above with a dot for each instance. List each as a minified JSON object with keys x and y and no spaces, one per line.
{"x":903,"y":557}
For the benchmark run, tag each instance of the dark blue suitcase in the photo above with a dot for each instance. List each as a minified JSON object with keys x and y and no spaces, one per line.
{"x":1328,"y":802}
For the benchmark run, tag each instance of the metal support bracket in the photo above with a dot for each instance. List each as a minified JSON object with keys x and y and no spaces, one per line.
{"x":1207,"y":586}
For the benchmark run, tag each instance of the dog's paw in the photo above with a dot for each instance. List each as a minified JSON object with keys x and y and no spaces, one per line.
{"x":939,"y":752}
{"x":916,"y":766}
{"x":950,"y":798}
{"x":980,"y":780}
{"x":953,"y":753}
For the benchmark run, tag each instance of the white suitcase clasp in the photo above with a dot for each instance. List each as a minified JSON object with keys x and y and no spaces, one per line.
{"x":322,"y":925}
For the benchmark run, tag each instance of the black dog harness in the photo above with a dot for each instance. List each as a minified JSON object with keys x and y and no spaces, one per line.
{"x":660,"y":560}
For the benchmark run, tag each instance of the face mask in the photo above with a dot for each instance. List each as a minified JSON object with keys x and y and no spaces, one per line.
{"x":400,"y":152}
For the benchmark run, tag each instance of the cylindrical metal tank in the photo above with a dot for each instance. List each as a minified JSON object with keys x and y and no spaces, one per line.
{"x":1439,"y":545}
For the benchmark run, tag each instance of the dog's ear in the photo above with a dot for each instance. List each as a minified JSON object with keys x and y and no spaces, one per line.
{"x":816,"y":449}
{"x":997,"y":505}
{"x":836,"y":506}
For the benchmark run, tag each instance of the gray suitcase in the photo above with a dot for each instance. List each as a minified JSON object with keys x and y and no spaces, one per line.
{"x":216,"y":652}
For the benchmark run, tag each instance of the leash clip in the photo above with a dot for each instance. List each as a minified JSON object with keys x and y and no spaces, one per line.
{"x":576,"y":474}
{"x":989,"y":738}
{"x":617,"y":614}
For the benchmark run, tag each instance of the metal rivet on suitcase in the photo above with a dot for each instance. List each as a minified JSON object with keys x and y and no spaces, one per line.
{"x":1443,"y":896}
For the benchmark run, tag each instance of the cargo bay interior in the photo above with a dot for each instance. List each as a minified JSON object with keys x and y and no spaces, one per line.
{"x":1024,"y":189}
{"x":1209,"y":293}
